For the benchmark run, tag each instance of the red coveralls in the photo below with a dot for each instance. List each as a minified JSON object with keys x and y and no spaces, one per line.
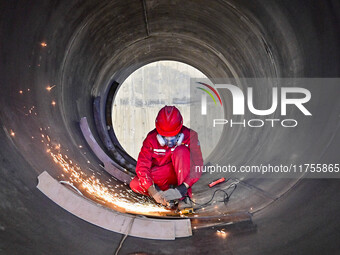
{"x":166,"y":166}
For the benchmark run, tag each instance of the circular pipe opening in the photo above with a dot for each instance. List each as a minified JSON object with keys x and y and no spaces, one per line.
{"x":140,"y":97}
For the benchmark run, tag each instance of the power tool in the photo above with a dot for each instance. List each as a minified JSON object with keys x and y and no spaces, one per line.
{"x":187,"y":211}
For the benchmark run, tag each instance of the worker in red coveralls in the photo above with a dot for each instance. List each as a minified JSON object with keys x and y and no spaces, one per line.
{"x":168,"y":161}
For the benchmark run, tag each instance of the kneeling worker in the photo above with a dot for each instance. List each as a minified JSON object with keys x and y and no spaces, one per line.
{"x":167,"y":159}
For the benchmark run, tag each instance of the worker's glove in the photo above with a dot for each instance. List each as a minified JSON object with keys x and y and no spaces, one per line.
{"x":177,"y":193}
{"x":157,"y":194}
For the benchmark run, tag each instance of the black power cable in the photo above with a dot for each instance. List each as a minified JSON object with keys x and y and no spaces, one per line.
{"x":225,"y":200}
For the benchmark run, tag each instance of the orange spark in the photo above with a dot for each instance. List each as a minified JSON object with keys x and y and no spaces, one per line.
{"x":93,"y":186}
{"x":49,"y":88}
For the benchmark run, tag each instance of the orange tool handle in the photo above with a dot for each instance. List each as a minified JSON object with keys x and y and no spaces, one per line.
{"x":216,"y":182}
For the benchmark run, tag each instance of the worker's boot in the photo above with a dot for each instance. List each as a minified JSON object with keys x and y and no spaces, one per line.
{"x":184,"y":203}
